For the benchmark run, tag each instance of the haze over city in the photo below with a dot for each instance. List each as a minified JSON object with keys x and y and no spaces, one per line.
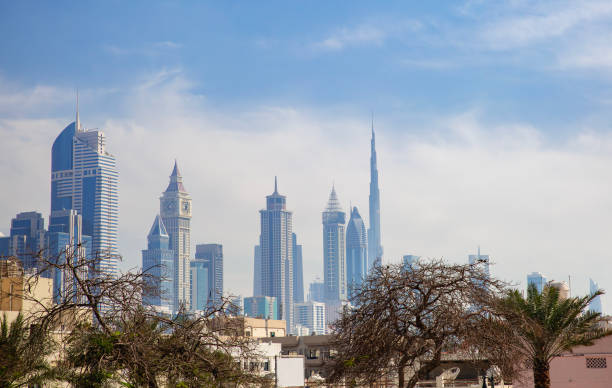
{"x":492,"y":122}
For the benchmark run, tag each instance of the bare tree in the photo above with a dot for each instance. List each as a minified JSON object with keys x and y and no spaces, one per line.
{"x":404,"y":317}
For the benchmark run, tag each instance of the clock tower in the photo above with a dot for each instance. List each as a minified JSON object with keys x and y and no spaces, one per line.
{"x":175,"y":210}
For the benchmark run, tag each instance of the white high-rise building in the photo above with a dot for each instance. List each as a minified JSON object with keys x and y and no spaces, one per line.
{"x":175,"y":210}
{"x":595,"y":304}
{"x":311,"y":314}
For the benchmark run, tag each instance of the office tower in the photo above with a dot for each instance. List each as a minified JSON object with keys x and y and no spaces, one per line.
{"x":27,"y":239}
{"x":84,"y":178}
{"x":375,"y":249}
{"x":595,"y":304}
{"x":311,"y":315}
{"x":410,"y":260}
{"x":316,"y":291}
{"x":298,"y":272}
{"x":482,"y":261}
{"x":237,"y":306}
{"x":261,"y":307}
{"x":257,"y":289}
{"x":212,"y":256}
{"x":536,"y":279}
{"x":356,"y":251}
{"x":276,"y":244}
{"x":175,"y":211}
{"x":334,"y":263}
{"x":158,"y":262}
{"x":65,"y":243}
{"x":201,"y":292}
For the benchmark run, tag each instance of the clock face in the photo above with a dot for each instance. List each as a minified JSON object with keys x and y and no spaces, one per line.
{"x":186,"y":206}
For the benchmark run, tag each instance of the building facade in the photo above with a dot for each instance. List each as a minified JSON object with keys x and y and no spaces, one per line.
{"x":298,"y":272}
{"x":356,"y":251}
{"x":212,"y":257}
{"x":201,"y":292}
{"x":175,"y":211}
{"x":158,"y":262}
{"x":276,"y":243}
{"x":375,"y":249}
{"x":257,"y":289}
{"x":538,"y":280}
{"x":26,"y":240}
{"x":482,"y":261}
{"x":265,"y":307}
{"x":311,"y":315}
{"x":334,"y":261}
{"x":316,"y":291}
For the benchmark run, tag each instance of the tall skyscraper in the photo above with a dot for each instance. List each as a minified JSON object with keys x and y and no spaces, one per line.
{"x":537,"y":279}
{"x":316,"y":291}
{"x":356,"y":251}
{"x":480,"y":260}
{"x":276,"y":242}
{"x":375,"y":249}
{"x":311,"y":315}
{"x":84,"y":178}
{"x":201,"y":292}
{"x":298,"y":272}
{"x":409,"y":260}
{"x":265,"y":307}
{"x":175,"y":211}
{"x":212,"y":257}
{"x":26,"y":240}
{"x":257,"y":289}
{"x":158,"y":261}
{"x":334,"y":263}
{"x":595,"y":304}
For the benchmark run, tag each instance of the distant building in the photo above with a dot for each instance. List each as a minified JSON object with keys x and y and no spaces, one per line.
{"x":265,"y":307}
{"x":375,"y":249}
{"x":26,"y":240}
{"x":276,"y":243}
{"x":212,"y":256}
{"x":201,"y":292}
{"x":356,"y":251}
{"x":316,"y":291}
{"x":595,"y":304}
{"x":298,"y":272}
{"x":409,"y":260}
{"x":257,"y":289}
{"x":562,"y":287}
{"x":334,"y":261}
{"x":311,"y":315}
{"x":537,"y":279}
{"x":158,"y":262}
{"x":482,"y":261}
{"x":175,"y":211}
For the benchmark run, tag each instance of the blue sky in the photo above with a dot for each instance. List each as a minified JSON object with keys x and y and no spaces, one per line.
{"x":493,"y":119}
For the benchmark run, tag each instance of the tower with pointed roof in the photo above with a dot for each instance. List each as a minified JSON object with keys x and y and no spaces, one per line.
{"x":356,"y":251}
{"x":334,"y":263}
{"x":175,"y":211}
{"x":375,"y":249}
{"x":158,"y":261}
{"x":276,"y":254}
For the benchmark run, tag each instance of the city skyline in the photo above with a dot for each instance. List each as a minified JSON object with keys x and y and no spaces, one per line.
{"x":481,"y":139}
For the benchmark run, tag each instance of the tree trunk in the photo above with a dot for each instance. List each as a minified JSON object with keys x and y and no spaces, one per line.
{"x":541,"y":374}
{"x":400,"y":376}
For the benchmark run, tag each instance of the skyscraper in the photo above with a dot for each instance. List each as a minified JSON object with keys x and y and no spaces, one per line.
{"x":276,"y":242}
{"x":537,"y":279}
{"x":201,"y":292}
{"x":257,"y":289}
{"x":409,"y":260}
{"x":316,"y":291}
{"x":84,"y":178}
{"x":311,"y":315}
{"x":595,"y":304}
{"x":375,"y":249}
{"x":356,"y":251}
{"x":212,"y":257}
{"x":334,"y":263}
{"x":261,"y":307}
{"x":26,"y":239}
{"x":175,"y":211}
{"x":158,"y":261}
{"x":298,"y":272}
{"x":480,"y":260}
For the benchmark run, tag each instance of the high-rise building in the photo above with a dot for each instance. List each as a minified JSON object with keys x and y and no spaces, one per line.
{"x":375,"y":249}
{"x":212,"y":256}
{"x":482,"y":261}
{"x":276,"y":242}
{"x":84,"y":178}
{"x":175,"y":211}
{"x":409,"y":260}
{"x":311,"y":315}
{"x":158,"y":262}
{"x":261,"y":307}
{"x":334,"y":263}
{"x":537,"y":279}
{"x":316,"y":291}
{"x":26,"y":240}
{"x":257,"y":289}
{"x":298,"y":272}
{"x":356,"y":251}
{"x":595,"y":304}
{"x":201,"y":292}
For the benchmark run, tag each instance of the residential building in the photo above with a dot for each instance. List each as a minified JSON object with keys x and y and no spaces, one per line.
{"x":298,"y":272}
{"x":375,"y":249}
{"x":276,"y":242}
{"x":175,"y":211}
{"x":316,"y":349}
{"x":158,"y":262}
{"x":537,"y":279}
{"x":334,"y":262}
{"x":265,"y":307}
{"x":595,"y":304}
{"x":356,"y":251}
{"x":212,"y":256}
{"x":311,"y":315}
{"x":316,"y":291}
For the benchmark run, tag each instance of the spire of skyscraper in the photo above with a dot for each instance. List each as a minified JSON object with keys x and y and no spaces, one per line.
{"x":275,"y":185}
{"x":375,"y":249}
{"x":77,"y":122}
{"x":176,"y":180}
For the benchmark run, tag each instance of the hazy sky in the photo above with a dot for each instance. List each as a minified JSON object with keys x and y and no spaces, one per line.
{"x":493,"y":121}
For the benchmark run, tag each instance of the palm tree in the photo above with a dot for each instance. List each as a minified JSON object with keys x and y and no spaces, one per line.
{"x":543,"y":325}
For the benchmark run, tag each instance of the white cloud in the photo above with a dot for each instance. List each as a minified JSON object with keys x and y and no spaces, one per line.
{"x":531,"y":205}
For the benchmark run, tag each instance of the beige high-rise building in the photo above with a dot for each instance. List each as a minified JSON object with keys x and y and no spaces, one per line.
{"x":175,"y":210}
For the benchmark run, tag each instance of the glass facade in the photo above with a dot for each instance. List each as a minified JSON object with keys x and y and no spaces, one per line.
{"x":356,"y":251}
{"x":265,"y":307}
{"x":158,"y":261}
{"x":334,"y":262}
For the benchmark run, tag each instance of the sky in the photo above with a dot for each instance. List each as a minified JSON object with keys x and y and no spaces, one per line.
{"x":493,"y":121}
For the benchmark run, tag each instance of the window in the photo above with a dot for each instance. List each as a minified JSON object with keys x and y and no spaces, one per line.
{"x":248,"y":333}
{"x":266,"y":366}
{"x":272,"y":334}
{"x":596,"y":362}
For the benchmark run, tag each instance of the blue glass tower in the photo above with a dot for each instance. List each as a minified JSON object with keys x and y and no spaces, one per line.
{"x":375,"y":249}
{"x":26,"y":240}
{"x":158,"y":261}
{"x":298,"y":272}
{"x":211,"y":257}
{"x":201,"y":292}
{"x":595,"y":304}
{"x":334,"y":261}
{"x":538,"y":280}
{"x":356,"y":251}
{"x":261,"y":307}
